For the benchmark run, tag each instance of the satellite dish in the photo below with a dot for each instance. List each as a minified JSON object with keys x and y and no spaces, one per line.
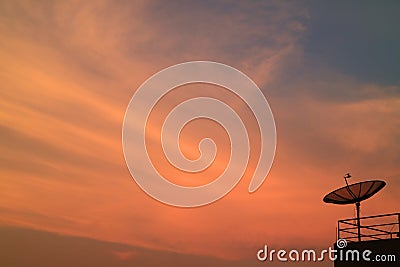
{"x":354,"y":194}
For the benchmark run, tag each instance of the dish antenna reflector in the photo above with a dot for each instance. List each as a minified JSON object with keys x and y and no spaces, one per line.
{"x":354,"y":194}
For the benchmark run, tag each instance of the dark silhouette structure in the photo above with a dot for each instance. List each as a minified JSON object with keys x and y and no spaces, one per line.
{"x":365,"y":241}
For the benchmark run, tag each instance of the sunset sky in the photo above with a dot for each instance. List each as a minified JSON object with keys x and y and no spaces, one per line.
{"x":329,"y":70}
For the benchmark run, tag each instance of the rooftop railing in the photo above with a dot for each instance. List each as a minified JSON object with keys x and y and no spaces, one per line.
{"x":376,"y":227}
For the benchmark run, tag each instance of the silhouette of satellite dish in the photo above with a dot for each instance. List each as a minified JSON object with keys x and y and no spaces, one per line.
{"x":354,"y":194}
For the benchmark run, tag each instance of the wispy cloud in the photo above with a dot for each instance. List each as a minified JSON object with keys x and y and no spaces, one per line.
{"x":69,"y":70}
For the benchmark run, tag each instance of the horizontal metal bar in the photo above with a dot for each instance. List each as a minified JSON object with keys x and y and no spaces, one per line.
{"x":348,"y":223}
{"x":373,"y":229}
{"x":349,"y":238}
{"x":369,"y":228}
{"x":383,"y":224}
{"x":364,"y":236}
{"x":376,"y":235}
{"x":377,"y":238}
{"x":369,"y":217}
{"x":349,"y":228}
{"x":342,"y":230}
{"x":367,"y":235}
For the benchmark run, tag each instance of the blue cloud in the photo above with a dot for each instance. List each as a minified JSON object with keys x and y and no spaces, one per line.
{"x":359,"y":38}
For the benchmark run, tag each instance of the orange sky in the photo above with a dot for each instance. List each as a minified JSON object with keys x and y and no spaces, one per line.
{"x":69,"y":70}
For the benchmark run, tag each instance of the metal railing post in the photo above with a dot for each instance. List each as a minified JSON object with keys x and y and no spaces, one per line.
{"x":398,"y":224}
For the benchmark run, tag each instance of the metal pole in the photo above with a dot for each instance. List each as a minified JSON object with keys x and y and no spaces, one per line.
{"x":398,"y":221}
{"x":358,"y":221}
